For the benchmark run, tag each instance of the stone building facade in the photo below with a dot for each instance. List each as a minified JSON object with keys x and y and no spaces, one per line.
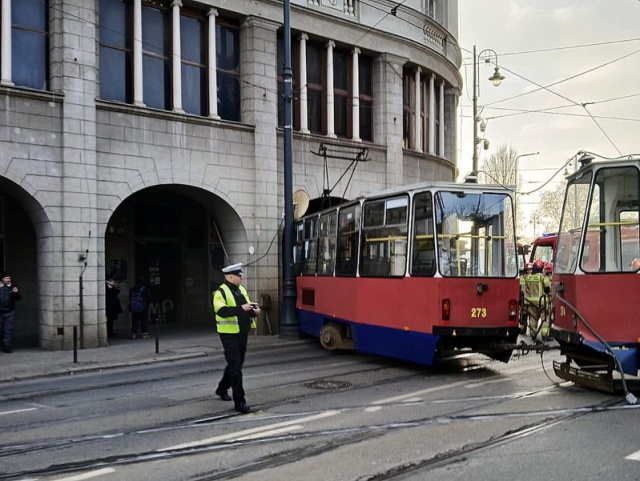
{"x":144,"y":138}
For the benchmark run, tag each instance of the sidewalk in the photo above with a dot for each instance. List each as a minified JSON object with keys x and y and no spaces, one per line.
{"x":175,"y":343}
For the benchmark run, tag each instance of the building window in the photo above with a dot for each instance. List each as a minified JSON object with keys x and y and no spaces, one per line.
{"x":115,"y":50}
{"x":316,"y":98}
{"x":193,"y":40}
{"x":30,"y":44}
{"x":342,"y":92}
{"x":365,"y":74}
{"x":429,"y":8}
{"x":117,"y":58}
{"x":316,"y":65}
{"x":408,"y":113}
{"x":424,"y":112}
{"x":228,"y":70}
{"x":156,"y":56}
{"x":295,"y":64}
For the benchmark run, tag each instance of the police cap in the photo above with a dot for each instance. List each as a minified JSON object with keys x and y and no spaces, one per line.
{"x":235,"y":269}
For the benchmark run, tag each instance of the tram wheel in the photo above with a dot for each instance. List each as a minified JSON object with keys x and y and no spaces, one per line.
{"x":330,"y":337}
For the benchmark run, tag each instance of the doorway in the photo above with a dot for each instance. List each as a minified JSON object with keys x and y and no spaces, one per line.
{"x":157,"y":265}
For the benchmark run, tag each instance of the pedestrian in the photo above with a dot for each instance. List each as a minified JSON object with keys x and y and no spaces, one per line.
{"x":9,"y":294}
{"x":139,"y":309}
{"x":112,"y":304}
{"x":235,"y":317}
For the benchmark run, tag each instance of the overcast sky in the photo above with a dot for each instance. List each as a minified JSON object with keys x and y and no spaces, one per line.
{"x":589,"y":50}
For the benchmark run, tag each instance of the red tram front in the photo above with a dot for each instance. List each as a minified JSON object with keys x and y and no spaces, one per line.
{"x":411,"y":273}
{"x":596,"y":281}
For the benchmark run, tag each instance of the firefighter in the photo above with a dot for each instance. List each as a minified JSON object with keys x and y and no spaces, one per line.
{"x":535,"y":288}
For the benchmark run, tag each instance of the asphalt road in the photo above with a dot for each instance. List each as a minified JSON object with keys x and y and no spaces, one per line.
{"x":320,"y":416}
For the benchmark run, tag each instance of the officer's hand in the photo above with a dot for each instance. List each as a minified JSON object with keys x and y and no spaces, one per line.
{"x":247,"y":307}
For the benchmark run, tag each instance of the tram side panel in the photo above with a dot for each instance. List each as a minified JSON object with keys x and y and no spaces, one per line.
{"x":405,"y":318}
{"x":609,"y":300}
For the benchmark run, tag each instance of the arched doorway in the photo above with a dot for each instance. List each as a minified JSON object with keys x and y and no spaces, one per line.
{"x":174,"y":239}
{"x":19,"y":255}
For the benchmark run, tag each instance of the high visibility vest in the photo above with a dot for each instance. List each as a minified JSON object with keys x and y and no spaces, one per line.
{"x":228,"y":325}
{"x":533,"y":286}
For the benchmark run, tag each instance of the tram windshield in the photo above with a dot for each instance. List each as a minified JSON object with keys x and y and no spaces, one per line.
{"x":608,"y":215}
{"x":475,"y":234}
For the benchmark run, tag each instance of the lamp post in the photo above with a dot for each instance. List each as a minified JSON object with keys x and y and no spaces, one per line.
{"x":288,"y":323}
{"x":515,"y":192}
{"x":496,"y":79}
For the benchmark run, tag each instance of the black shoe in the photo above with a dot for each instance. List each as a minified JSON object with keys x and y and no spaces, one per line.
{"x":7,"y":349}
{"x":223,"y":395}
{"x":242,"y":408}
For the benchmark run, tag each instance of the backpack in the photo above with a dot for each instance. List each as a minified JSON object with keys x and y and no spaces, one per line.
{"x":137,"y":302}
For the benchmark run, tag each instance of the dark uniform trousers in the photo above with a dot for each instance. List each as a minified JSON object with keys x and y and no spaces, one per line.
{"x":235,"y":347}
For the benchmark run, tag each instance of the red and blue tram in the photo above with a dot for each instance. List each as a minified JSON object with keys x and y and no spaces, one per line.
{"x":411,"y":273}
{"x":596,"y":277}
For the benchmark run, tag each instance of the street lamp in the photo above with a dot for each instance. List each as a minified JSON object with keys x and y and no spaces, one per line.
{"x":496,"y":79}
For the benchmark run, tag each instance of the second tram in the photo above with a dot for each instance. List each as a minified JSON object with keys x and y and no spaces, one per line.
{"x":596,"y":273}
{"x":411,"y":273}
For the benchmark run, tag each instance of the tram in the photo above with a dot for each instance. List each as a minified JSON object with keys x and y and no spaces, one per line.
{"x":596,"y":280}
{"x":411,"y":273}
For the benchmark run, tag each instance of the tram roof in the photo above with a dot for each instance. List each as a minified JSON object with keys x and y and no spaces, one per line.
{"x":594,"y":162}
{"x":459,"y":186}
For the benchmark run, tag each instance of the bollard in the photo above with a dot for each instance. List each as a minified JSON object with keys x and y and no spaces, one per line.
{"x":75,"y":344}
{"x":157,"y":335}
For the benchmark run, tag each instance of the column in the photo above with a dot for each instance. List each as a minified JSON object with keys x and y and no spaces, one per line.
{"x":5,"y":40}
{"x":441,"y":121}
{"x":355,"y":89}
{"x":304,"y":116}
{"x":432,"y":115}
{"x":138,"y":97}
{"x":330,"y":102}
{"x":417,"y":108}
{"x":176,"y":57}
{"x":212,"y":66}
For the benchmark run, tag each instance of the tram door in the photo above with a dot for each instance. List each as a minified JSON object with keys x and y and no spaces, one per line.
{"x":157,"y":264}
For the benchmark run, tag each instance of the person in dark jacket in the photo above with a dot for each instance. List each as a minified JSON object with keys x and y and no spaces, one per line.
{"x":139,"y":300}
{"x":112,"y":304}
{"x":235,"y":317}
{"x":9,"y":294}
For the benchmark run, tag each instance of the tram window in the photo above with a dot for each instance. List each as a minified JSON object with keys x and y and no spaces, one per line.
{"x":473,"y":231}
{"x":347,"y":245}
{"x":422,"y":244}
{"x":327,"y":243}
{"x":310,"y":258}
{"x":611,"y":241}
{"x":384,"y":238}
{"x":298,"y":248}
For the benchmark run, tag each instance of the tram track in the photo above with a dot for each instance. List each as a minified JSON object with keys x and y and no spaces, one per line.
{"x":327,"y":442}
{"x":318,"y":441}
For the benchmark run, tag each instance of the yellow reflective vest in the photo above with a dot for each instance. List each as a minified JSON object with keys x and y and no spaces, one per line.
{"x":228,"y":325}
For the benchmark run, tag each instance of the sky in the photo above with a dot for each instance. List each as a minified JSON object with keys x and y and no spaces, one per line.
{"x":588,"y":49}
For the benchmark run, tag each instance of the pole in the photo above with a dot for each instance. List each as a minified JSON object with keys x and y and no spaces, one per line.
{"x":517,"y":182}
{"x":288,"y":324}
{"x":474,"y":168}
{"x":81,"y":307}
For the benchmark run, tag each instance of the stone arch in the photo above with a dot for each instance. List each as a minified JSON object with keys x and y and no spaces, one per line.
{"x":28,"y":252}
{"x":175,"y":237}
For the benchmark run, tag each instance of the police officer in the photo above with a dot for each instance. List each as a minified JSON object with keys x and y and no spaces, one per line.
{"x":535,"y":286}
{"x":235,"y":317}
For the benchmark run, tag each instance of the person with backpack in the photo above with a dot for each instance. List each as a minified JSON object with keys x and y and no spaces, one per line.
{"x":139,"y":309}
